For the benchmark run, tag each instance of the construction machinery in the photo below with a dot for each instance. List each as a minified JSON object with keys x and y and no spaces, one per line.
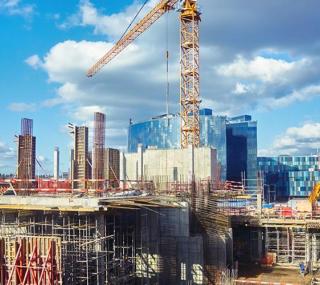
{"x":315,"y":194}
{"x":189,"y":62}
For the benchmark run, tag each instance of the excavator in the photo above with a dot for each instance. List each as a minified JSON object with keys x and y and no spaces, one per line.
{"x":189,"y":62}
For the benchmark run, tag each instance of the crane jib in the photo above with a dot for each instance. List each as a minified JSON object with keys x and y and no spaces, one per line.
{"x":189,"y":77}
{"x":163,"y":7}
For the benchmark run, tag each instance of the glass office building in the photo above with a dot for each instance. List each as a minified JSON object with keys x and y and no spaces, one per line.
{"x":164,"y":132}
{"x":242,"y":150}
{"x":289,"y":176}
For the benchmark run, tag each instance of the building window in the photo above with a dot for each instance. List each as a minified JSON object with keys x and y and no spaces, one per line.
{"x":183,"y":273}
{"x":197,"y":274}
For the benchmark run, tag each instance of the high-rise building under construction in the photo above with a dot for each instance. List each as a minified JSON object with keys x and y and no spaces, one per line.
{"x":80,"y":167}
{"x":98,"y":174}
{"x":112,"y":166}
{"x":26,"y":153}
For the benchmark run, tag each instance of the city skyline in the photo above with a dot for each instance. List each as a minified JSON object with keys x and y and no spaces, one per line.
{"x":249,"y":65}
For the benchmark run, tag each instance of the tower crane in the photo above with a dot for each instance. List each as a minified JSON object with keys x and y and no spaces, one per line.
{"x":189,"y":62}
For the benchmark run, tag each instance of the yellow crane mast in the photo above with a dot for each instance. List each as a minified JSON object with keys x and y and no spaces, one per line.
{"x":189,"y":62}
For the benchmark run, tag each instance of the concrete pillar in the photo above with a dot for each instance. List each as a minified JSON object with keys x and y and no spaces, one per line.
{"x":140,"y":162}
{"x":307,"y":248}
{"x":260,"y":246}
{"x":56,"y":162}
{"x":191,"y":174}
{"x":229,"y":247}
{"x":123,"y":171}
{"x":259,"y":204}
{"x":314,"y":248}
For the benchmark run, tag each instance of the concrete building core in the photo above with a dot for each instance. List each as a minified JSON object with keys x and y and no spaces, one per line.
{"x":98,"y":174}
{"x":56,"y":162}
{"x":170,"y":165}
{"x":80,"y":165}
{"x":112,"y":166}
{"x":26,"y":153}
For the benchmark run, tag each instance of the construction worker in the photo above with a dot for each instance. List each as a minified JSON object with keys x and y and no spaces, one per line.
{"x":302,"y":268}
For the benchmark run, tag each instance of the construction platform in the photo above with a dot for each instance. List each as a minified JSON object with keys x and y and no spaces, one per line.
{"x":83,"y":204}
{"x":271,"y":276}
{"x":112,"y":240}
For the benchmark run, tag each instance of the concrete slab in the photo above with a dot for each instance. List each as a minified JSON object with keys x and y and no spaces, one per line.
{"x":273,"y":275}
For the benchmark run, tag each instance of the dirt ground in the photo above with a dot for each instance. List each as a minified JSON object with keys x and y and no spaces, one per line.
{"x":273,"y":274}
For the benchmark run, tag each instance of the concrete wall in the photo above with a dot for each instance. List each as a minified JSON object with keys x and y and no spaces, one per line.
{"x":171,"y":165}
{"x":172,"y":255}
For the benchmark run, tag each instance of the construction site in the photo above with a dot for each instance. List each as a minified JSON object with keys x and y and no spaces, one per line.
{"x":155,"y":215}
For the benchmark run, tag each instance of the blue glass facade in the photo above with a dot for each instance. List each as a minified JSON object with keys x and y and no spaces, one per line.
{"x":235,"y":140}
{"x":289,"y":176}
{"x":164,"y":132}
{"x":160,"y":132}
{"x":242,"y":150}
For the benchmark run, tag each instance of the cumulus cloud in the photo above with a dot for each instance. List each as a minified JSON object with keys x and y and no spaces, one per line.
{"x":296,"y":140}
{"x":260,"y":68}
{"x":118,"y":90}
{"x":236,"y":76}
{"x":110,"y":25}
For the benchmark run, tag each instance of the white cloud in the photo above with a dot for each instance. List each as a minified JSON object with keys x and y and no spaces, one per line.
{"x":6,"y":151}
{"x":111,"y":25}
{"x":296,"y":140}
{"x":7,"y":158}
{"x":85,"y":113}
{"x":304,"y":94}
{"x":16,"y":8}
{"x":133,"y":85}
{"x":22,"y":107}
{"x":241,"y":88}
{"x":34,"y":61}
{"x":260,"y":68}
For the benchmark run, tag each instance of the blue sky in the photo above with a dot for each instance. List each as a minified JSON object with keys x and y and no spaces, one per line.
{"x":260,"y":58}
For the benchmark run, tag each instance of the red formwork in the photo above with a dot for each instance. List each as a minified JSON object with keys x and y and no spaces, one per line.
{"x":32,"y":265}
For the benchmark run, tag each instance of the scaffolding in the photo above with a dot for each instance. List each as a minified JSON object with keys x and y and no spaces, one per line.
{"x":140,"y":240}
{"x":93,"y":248}
{"x":291,"y":245}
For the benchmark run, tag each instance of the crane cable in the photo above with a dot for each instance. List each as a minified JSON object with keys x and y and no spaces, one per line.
{"x":134,"y":18}
{"x":167,"y":50}
{"x":167,"y":62}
